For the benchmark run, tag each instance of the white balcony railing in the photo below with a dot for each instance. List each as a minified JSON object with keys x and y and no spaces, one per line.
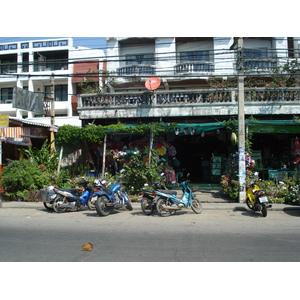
{"x":136,"y":70}
{"x":182,"y":97}
{"x":194,"y":67}
{"x":259,"y":64}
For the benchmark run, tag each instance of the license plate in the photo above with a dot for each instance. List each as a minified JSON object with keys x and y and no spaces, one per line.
{"x":263,"y":199}
{"x":140,"y":197}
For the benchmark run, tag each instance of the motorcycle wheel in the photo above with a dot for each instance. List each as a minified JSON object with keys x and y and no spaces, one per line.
{"x":48,"y":206}
{"x":147,"y":206}
{"x":164,"y":212}
{"x":249,"y":204}
{"x":196,"y":206}
{"x":128,"y":205}
{"x":91,"y":203}
{"x":264,"y":211}
{"x":101,"y":207}
{"x":56,"y":206}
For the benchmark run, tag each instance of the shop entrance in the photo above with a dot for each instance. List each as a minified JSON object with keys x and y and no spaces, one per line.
{"x":195,"y":155}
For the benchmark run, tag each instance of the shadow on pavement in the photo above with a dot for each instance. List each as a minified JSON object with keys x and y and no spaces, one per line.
{"x":294,"y":212}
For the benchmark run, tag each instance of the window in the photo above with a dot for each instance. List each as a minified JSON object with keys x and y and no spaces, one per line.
{"x":291,"y":50}
{"x":6,"y":95}
{"x":194,"y":56}
{"x":258,"y":59}
{"x":140,"y":59}
{"x":255,"y":53}
{"x":50,"y":61}
{"x":8,"y":63}
{"x":25,"y":62}
{"x":61,"y":92}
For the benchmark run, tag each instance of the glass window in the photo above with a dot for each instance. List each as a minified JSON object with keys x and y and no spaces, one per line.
{"x":61,"y":92}
{"x":50,"y":61}
{"x":8,"y":66}
{"x":255,"y":53}
{"x":140,"y":59}
{"x":6,"y":95}
{"x":193,"y":56}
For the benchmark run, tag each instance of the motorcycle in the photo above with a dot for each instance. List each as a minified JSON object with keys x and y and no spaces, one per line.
{"x":148,"y":197}
{"x":63,"y":199}
{"x":111,"y":198}
{"x":256,"y":198}
{"x":168,"y":203}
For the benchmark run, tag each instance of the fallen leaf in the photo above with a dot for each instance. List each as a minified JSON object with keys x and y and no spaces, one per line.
{"x":87,"y":247}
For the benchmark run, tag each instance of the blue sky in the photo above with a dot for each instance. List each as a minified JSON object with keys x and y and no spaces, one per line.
{"x":90,"y":42}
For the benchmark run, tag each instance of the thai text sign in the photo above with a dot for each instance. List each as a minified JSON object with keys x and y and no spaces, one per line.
{"x":4,"y":120}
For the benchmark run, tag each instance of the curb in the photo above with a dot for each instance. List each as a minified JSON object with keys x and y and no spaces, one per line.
{"x":136,"y":205}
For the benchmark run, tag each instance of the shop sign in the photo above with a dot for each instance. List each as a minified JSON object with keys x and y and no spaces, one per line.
{"x":4,"y":121}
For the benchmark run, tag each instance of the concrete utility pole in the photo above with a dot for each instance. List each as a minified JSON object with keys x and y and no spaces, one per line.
{"x":241,"y":122}
{"x":52,"y":113}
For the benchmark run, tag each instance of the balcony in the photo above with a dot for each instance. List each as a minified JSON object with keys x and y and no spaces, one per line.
{"x":136,"y":70}
{"x":252,"y":95}
{"x":117,"y":99}
{"x":194,"y":67}
{"x":193,"y":103}
{"x":259,"y":64}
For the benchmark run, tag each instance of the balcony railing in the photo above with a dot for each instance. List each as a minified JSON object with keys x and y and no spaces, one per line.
{"x":183,"y":97}
{"x":194,"y":67}
{"x":136,"y":70}
{"x":116,"y":99}
{"x":260,"y":64}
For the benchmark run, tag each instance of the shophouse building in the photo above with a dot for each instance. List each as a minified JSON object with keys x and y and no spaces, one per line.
{"x":197,"y":90}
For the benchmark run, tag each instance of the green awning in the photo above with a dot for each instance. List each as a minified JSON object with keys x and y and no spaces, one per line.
{"x":274,"y":126}
{"x":199,"y":127}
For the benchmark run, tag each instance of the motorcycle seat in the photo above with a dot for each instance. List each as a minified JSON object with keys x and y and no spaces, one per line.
{"x":168,"y":192}
{"x":73,"y":191}
{"x":147,"y":191}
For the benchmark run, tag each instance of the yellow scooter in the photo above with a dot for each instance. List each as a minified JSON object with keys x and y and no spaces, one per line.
{"x":256,"y":198}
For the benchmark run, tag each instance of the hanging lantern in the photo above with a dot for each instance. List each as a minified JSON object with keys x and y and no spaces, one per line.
{"x":233,"y":138}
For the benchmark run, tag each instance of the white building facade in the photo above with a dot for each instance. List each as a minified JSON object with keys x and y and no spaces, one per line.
{"x":30,"y":65}
{"x":175,"y":59}
{"x":198,"y":87}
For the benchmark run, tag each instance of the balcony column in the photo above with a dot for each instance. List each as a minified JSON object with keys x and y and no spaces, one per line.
{"x":70,"y":93}
{"x":30,"y":89}
{"x":19,"y":112}
{"x":19,"y":61}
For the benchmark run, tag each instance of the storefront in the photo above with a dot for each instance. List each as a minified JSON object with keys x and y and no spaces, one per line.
{"x":203,"y":149}
{"x":273,"y":148}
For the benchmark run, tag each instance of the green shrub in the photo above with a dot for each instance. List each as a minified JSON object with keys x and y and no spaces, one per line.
{"x":24,"y":175}
{"x":138,"y":172}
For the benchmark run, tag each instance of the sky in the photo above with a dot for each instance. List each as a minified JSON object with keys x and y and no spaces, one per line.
{"x":90,"y":42}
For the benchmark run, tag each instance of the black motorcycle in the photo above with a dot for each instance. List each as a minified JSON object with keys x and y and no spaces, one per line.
{"x":148,"y":199}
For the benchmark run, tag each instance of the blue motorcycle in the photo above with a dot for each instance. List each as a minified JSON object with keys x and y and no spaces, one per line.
{"x":63,"y":199}
{"x":111,"y":198}
{"x":167,"y":204}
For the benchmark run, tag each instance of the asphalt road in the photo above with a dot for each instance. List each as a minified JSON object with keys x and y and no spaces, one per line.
{"x":36,"y":235}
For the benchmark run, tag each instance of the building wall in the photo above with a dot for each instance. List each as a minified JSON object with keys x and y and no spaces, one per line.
{"x":41,"y":78}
